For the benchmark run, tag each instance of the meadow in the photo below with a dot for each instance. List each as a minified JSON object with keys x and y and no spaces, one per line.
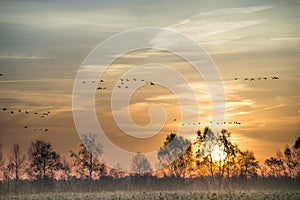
{"x":187,"y":195}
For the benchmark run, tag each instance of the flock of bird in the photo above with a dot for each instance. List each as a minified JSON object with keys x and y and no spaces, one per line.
{"x":123,"y":83}
{"x":259,"y":78}
{"x":217,"y":123}
{"x":41,"y":115}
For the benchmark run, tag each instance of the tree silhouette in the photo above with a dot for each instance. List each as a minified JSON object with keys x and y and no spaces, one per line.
{"x":103,"y":171}
{"x":275,"y":165}
{"x":175,"y":157}
{"x":297,"y":143}
{"x":205,"y":143}
{"x":44,"y":161}
{"x":140,"y":164}
{"x":1,"y":159}
{"x":116,"y":172}
{"x":248,"y":165}
{"x":216,"y":153}
{"x":17,"y":160}
{"x":66,"y":170}
{"x":86,"y":159}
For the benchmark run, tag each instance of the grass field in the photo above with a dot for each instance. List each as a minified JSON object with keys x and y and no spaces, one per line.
{"x":263,"y":195}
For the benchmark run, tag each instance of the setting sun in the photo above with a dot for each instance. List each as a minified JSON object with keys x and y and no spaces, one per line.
{"x":218,"y":153}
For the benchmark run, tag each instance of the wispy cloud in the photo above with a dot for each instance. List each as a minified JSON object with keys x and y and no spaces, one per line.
{"x":230,"y":11}
{"x":285,"y":39}
{"x":221,"y":25}
{"x":23,"y":57}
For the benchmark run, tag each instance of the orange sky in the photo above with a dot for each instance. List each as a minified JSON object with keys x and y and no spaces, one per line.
{"x":39,"y":60}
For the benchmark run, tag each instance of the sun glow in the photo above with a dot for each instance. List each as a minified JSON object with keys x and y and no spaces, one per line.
{"x":218,"y":153}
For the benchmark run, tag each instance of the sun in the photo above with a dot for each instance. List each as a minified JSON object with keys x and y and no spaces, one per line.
{"x":218,"y":154}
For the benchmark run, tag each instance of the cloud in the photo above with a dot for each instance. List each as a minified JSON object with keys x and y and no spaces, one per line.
{"x":241,"y":10}
{"x":221,"y":25}
{"x":23,"y":57}
{"x":285,"y":39}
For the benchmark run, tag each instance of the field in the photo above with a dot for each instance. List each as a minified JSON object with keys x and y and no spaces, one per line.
{"x":264,"y":195}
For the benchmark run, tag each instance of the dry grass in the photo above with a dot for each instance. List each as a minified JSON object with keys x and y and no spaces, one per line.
{"x":264,"y":195}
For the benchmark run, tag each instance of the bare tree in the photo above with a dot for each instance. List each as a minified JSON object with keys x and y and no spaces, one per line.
{"x":103,"y":170}
{"x":44,"y":161}
{"x":247,"y":163}
{"x":275,"y":165}
{"x":1,"y":160}
{"x":216,"y":153}
{"x":66,"y":170}
{"x":175,"y":157}
{"x":205,"y":143}
{"x":87,"y":158}
{"x":117,"y":172}
{"x":140,"y":164}
{"x":16,"y":160}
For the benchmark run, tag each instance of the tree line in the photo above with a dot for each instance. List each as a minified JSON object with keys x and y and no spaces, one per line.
{"x":210,"y":156}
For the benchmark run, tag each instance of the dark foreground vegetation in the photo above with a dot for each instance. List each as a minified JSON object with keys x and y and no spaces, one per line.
{"x":159,"y":195}
{"x":198,"y":170}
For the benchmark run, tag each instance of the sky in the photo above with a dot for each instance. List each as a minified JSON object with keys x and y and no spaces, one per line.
{"x":43,"y":44}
